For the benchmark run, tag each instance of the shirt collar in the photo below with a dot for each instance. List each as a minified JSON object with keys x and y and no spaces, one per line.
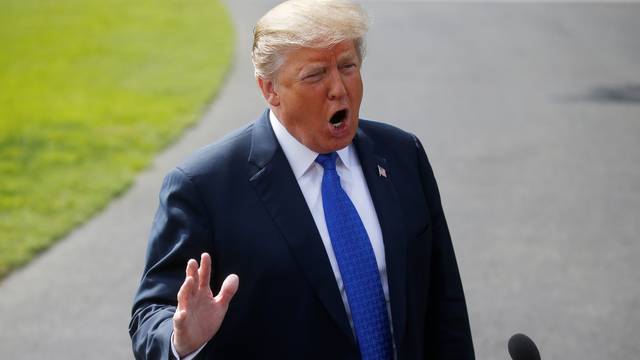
{"x":301,"y":157}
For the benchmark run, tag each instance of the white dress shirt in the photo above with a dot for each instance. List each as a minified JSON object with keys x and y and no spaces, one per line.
{"x":309,"y":174}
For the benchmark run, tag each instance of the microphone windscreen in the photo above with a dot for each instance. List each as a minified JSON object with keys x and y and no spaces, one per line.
{"x":521,"y":347}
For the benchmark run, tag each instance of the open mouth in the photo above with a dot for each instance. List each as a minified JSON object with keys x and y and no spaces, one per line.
{"x":338,"y":118}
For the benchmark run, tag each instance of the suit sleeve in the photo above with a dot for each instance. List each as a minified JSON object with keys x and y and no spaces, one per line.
{"x":447,"y":334}
{"x":180,"y":232}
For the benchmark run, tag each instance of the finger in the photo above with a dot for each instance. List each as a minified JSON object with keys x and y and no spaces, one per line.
{"x":192,"y":271}
{"x":185,"y":292}
{"x":228,"y":290}
{"x":192,"y":267}
{"x":179,"y":319}
{"x":204,"y":272}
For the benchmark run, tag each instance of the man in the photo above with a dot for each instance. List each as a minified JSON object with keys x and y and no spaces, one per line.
{"x":326,"y":231}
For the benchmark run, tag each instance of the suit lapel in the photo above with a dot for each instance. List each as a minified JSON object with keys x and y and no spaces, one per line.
{"x":385,"y":200}
{"x":276,"y":185}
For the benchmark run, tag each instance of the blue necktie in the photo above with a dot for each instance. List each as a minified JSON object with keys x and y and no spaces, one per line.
{"x":357,"y":264}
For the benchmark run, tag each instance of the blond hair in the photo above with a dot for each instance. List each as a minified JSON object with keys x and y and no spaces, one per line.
{"x":305,"y":23}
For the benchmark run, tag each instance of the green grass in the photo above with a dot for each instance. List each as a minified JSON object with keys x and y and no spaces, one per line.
{"x":90,"y":90}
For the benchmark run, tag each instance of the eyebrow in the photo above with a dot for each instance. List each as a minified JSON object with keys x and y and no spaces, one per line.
{"x":347,"y":56}
{"x":312,"y":67}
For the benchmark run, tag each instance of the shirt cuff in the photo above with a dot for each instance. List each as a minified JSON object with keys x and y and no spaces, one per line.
{"x":188,"y":357}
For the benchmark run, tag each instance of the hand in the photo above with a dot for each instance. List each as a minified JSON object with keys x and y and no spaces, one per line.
{"x":200,"y":314}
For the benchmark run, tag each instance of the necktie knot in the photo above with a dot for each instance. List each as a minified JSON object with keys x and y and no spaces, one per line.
{"x":327,"y":161}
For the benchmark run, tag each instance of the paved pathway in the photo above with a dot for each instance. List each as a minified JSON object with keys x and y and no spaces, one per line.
{"x":531,"y":117}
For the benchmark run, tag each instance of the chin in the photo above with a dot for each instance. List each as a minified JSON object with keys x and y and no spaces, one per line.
{"x":338,"y":144}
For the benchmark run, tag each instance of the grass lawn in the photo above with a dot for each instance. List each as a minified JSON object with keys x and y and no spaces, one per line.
{"x":89,"y":91}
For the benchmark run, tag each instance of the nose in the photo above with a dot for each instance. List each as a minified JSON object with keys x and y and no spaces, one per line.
{"x":337,"y":89}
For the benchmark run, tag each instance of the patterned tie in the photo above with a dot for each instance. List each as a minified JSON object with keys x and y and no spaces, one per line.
{"x":357,"y":264}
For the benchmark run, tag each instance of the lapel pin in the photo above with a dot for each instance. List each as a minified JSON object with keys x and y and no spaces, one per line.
{"x":382,"y":172}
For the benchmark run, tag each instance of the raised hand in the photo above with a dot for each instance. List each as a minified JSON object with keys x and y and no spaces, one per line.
{"x":200,"y":314}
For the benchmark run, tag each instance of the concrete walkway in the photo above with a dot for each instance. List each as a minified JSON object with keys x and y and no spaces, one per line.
{"x":531,"y":116}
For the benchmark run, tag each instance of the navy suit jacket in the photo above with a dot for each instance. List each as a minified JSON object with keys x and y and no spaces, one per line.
{"x":239,"y":200}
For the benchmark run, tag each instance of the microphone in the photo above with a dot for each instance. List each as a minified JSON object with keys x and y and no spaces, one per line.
{"x":521,"y":347}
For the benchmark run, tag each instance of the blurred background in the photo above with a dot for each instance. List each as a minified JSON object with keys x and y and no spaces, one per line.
{"x":529,"y":112}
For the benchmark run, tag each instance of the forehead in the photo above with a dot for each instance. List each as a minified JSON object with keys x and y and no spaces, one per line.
{"x":298,"y":58}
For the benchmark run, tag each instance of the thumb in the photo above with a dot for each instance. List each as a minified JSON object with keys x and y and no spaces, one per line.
{"x":228,"y":289}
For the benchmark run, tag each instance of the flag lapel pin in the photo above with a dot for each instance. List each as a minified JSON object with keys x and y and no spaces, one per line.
{"x":382,"y":172}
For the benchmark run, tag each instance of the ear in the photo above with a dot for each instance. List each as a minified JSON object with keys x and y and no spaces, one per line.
{"x":269,"y":93}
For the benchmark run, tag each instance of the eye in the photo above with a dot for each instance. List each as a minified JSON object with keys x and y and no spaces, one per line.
{"x":349,"y":67}
{"x":313,"y":76}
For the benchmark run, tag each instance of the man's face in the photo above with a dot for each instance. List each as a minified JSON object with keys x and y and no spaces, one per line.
{"x":316,"y":95}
